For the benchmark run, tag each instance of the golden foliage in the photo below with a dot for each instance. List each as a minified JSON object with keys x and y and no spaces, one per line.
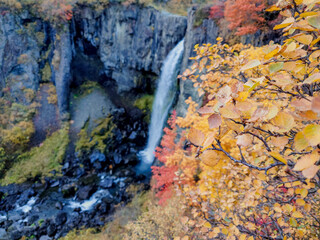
{"x":256,"y":139}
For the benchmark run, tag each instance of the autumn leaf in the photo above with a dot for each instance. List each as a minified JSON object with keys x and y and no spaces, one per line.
{"x":306,"y":161}
{"x":300,"y":142}
{"x":312,"y":134}
{"x":314,"y":21}
{"x":251,"y":64}
{"x":275,"y":67}
{"x":284,"y":121}
{"x":244,"y":140}
{"x":315,"y":105}
{"x":310,"y":172}
{"x":230,"y":111}
{"x":278,"y":156}
{"x":196,"y":137}
{"x":214,"y":120}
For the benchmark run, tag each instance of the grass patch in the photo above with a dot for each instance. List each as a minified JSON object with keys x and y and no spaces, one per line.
{"x":39,"y":161}
{"x":99,"y":138}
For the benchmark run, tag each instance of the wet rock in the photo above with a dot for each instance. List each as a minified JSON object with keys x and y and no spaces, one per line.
{"x":85,"y":192}
{"x":58,"y":205}
{"x":133,"y":135}
{"x":61,"y":218}
{"x":51,"y":230}
{"x":3,"y":234}
{"x":15,"y":235}
{"x":106,"y":182}
{"x":97,"y":156}
{"x":32,"y":219}
{"x":46,"y":237}
{"x":117,"y":158}
{"x":68,"y":190}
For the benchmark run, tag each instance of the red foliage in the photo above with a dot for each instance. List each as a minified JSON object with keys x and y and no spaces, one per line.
{"x":57,"y":9}
{"x":217,"y":11}
{"x":164,"y":175}
{"x":245,"y":15}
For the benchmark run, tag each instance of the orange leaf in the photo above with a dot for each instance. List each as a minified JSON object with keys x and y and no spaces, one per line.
{"x":196,"y":137}
{"x":214,"y":120}
{"x":306,"y":161}
{"x":244,"y":140}
{"x":315,"y":105}
{"x":311,"y":171}
{"x":209,"y":158}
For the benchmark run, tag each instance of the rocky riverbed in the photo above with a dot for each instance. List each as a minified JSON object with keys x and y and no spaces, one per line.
{"x":83,"y":195}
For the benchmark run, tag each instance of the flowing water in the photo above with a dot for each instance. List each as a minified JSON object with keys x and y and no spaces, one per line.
{"x":165,"y":94}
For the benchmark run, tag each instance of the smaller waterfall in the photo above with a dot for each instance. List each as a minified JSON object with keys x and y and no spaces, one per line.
{"x":165,"y":93}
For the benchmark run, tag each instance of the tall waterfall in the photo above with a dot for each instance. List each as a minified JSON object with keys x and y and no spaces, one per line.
{"x":165,"y":93}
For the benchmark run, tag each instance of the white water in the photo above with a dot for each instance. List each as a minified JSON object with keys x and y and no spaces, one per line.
{"x":163,"y":100}
{"x":28,"y":206}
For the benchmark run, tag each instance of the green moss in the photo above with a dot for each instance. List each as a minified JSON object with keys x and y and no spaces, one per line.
{"x":46,"y":73}
{"x":100,"y":137}
{"x":40,"y":161}
{"x":145,"y":105}
{"x":200,"y":15}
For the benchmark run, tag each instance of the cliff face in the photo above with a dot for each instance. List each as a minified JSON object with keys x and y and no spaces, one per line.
{"x":122,"y":44}
{"x":207,"y":32}
{"x":19,"y":54}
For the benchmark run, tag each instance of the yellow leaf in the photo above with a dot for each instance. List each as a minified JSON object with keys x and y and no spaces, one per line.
{"x":224,"y":231}
{"x":207,"y":225}
{"x":303,"y":38}
{"x":230,"y":111}
{"x":273,"y":8}
{"x":277,"y":156}
{"x":310,"y":172}
{"x":306,"y":161}
{"x":304,"y":192}
{"x":284,"y":121}
{"x":209,"y":139}
{"x":285,"y":23}
{"x":293,"y":222}
{"x":272,"y":53}
{"x":300,"y":202}
{"x":297,"y":215}
{"x":251,"y":64}
{"x":312,"y":134}
{"x":196,"y":137}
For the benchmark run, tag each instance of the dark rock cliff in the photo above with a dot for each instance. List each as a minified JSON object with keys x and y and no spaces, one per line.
{"x":126,"y":44}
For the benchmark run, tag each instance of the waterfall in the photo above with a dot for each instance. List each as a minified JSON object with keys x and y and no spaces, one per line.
{"x":165,"y":94}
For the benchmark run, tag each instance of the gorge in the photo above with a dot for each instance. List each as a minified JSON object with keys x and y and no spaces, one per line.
{"x":99,"y":64}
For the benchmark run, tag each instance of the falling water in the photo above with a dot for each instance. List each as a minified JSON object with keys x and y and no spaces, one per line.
{"x":165,"y":93}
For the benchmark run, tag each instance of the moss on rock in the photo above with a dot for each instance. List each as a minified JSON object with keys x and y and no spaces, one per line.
{"x":39,"y":161}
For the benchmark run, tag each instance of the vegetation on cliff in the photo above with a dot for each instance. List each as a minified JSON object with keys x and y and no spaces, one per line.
{"x":250,"y":166}
{"x":44,"y":160}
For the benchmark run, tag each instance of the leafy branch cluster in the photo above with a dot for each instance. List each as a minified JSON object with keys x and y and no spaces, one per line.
{"x":254,"y":144}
